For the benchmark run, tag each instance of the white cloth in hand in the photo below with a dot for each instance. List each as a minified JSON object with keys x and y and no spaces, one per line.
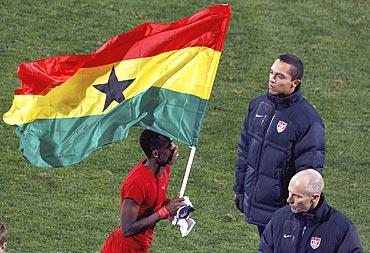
{"x":185,"y":224}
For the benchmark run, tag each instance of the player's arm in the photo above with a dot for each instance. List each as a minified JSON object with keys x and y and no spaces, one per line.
{"x":310,"y":148}
{"x":130,"y":223}
{"x":241,"y":163}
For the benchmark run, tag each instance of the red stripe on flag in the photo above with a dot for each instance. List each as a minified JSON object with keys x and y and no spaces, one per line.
{"x":206,"y":28}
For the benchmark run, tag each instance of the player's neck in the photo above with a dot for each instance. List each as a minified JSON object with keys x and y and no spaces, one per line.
{"x":154,"y":167}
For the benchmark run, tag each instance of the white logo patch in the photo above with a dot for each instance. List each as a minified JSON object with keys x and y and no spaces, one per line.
{"x":281,"y":125}
{"x":315,"y":242}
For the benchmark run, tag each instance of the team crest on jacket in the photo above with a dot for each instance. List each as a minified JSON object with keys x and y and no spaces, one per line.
{"x":315,"y":242}
{"x":281,"y":125}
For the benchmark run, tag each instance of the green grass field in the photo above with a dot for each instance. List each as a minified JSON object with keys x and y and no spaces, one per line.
{"x":74,"y":209}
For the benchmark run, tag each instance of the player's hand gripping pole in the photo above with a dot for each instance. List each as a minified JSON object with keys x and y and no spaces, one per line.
{"x":187,"y":171}
{"x":182,"y":218}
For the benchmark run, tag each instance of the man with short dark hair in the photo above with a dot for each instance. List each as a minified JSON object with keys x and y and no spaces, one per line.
{"x":281,"y":135}
{"x":309,"y":224}
{"x":144,"y":201}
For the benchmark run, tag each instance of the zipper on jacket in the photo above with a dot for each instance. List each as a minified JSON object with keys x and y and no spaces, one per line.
{"x":300,"y":242}
{"x":304,"y":229}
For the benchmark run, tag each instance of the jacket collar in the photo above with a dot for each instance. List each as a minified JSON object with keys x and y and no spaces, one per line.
{"x":286,"y":101}
{"x":318,"y":214}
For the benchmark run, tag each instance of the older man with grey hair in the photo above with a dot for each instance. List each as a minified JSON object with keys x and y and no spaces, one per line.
{"x":308,"y":223}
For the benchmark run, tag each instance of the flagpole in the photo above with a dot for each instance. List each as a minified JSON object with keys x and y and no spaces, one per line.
{"x":187,"y":171}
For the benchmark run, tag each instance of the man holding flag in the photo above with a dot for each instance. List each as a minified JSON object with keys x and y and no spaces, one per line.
{"x":144,"y":201}
{"x":157,"y":76}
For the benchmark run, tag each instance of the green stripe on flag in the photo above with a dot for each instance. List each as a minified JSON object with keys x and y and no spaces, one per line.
{"x":63,"y":142}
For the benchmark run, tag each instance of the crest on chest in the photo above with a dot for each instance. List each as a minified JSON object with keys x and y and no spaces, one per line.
{"x":315,"y":242}
{"x":281,"y":126}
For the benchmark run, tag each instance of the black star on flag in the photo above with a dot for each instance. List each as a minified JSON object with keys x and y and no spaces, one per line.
{"x":113,"y":89}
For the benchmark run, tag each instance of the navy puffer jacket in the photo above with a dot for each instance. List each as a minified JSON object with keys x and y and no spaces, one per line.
{"x":325,"y":231}
{"x":280,"y":137}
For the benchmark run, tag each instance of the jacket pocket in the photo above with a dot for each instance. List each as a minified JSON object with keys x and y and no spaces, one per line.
{"x":268,"y":192}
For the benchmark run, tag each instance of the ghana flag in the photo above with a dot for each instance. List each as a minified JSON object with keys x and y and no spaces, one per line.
{"x":157,"y":76}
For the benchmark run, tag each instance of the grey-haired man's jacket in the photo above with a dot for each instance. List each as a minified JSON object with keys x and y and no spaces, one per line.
{"x":326,"y":230}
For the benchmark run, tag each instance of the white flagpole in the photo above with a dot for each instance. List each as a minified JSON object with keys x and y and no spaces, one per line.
{"x":187,"y":171}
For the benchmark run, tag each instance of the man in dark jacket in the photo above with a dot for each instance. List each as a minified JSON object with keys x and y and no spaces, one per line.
{"x":281,"y":135}
{"x":309,"y":224}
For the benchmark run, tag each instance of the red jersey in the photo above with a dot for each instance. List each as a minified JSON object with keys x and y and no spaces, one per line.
{"x":149,"y":192}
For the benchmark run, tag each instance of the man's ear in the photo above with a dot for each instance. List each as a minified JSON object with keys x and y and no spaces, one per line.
{"x":2,"y":247}
{"x":155,"y":153}
{"x":296,"y":82}
{"x":315,"y":197}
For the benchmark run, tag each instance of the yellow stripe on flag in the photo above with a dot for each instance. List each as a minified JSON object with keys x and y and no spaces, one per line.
{"x":189,"y":70}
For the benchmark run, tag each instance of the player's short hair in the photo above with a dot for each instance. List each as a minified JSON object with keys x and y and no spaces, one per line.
{"x":150,"y":140}
{"x":2,"y":234}
{"x":296,"y":69}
